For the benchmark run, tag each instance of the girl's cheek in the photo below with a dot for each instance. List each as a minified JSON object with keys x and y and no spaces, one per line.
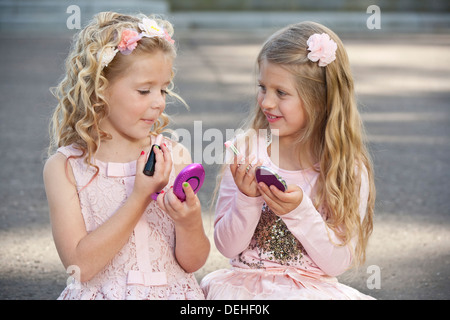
{"x":259,"y":100}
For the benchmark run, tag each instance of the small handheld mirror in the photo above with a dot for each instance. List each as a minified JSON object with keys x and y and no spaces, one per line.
{"x":270,"y":177}
{"x":194,"y":174}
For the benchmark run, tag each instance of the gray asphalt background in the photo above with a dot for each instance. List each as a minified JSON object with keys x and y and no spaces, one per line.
{"x":403,"y":87}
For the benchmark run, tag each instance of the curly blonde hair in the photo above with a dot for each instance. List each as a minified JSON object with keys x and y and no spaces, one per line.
{"x":81,"y":93}
{"x":334,"y":132}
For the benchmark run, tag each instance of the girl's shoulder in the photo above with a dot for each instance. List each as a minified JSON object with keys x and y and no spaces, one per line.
{"x":62,"y":154}
{"x":71,"y":150}
{"x":60,"y":159}
{"x":55,"y":167}
{"x":54,"y":161}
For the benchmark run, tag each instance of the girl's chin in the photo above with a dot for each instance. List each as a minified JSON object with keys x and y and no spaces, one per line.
{"x":282,"y":134}
{"x":275,"y":130}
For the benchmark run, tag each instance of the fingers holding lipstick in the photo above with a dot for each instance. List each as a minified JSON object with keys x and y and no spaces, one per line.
{"x":153,"y":171}
{"x":243,"y":172}
{"x":163,"y":160}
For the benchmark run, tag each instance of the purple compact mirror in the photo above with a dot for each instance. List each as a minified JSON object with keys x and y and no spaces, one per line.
{"x":194,"y":174}
{"x":270,"y":177}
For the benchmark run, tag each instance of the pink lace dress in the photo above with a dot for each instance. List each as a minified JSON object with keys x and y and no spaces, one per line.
{"x":146,"y":267}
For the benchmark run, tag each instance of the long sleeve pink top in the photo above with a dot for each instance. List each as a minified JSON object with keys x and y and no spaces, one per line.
{"x":252,"y":236}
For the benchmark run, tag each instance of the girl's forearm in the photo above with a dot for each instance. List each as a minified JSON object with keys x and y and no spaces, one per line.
{"x":99,"y":247}
{"x":192,"y":247}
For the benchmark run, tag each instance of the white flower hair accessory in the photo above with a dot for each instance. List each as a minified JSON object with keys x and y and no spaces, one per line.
{"x":106,"y":55}
{"x":323,"y":49}
{"x":150,"y":29}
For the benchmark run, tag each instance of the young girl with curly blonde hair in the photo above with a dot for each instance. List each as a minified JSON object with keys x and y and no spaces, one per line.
{"x":292,"y":244}
{"x":117,"y":241}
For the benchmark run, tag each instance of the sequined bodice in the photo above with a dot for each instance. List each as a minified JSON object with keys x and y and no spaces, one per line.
{"x":274,"y":238}
{"x":273,"y":242}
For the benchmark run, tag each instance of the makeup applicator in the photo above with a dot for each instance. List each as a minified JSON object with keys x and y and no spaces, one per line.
{"x":149,"y":168}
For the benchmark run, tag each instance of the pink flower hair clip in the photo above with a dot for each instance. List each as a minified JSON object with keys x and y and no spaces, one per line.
{"x":323,"y":49}
{"x":128,"y":41}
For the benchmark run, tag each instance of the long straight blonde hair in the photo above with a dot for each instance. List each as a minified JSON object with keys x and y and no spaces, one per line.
{"x":334,"y":130}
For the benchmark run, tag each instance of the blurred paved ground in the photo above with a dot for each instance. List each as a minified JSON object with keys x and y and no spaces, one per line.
{"x":403,"y":85}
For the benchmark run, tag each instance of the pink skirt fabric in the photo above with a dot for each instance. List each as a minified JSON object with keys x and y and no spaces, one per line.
{"x":275,"y":284}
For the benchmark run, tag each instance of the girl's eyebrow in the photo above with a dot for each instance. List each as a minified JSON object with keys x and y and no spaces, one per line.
{"x":151,"y":82}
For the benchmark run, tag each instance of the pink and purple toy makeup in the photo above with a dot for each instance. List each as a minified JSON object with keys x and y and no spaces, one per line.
{"x":194,"y":174}
{"x":149,"y":168}
{"x":270,"y":177}
{"x":262,"y":173}
{"x":231,"y":146}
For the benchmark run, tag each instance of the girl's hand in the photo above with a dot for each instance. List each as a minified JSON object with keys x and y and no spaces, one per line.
{"x":145,"y":185}
{"x":244,"y":175}
{"x":191,"y":243}
{"x":281,"y":202}
{"x":187,"y":214}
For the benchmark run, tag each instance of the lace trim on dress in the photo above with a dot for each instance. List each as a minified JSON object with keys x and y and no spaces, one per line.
{"x":146,"y":267}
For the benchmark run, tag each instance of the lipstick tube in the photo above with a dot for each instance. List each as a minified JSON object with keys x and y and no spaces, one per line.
{"x":231,"y":146}
{"x":149,"y":168}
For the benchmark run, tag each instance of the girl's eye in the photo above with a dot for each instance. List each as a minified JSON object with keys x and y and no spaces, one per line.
{"x":262,"y":88}
{"x":164,"y":92}
{"x":281,"y":93}
{"x":144,"y":92}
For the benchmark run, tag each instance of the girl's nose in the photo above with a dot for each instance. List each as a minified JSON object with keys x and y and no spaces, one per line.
{"x":268,"y":102}
{"x":159,"y":102}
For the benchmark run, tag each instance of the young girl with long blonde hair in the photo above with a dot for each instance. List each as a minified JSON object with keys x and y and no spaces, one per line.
{"x":292,"y":244}
{"x":116,"y":241}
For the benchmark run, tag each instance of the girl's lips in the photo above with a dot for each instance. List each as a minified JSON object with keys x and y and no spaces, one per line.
{"x":148,"y":121}
{"x":272,"y":118}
